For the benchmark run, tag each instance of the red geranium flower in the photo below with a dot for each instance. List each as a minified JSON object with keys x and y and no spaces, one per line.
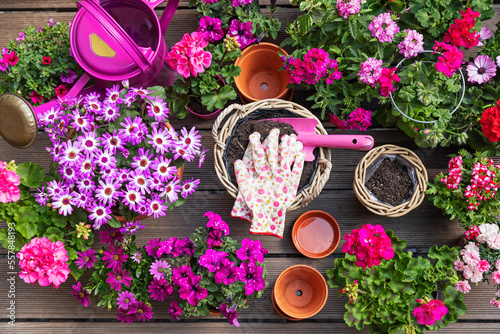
{"x":490,"y":122}
{"x":46,"y":61}
{"x":61,"y":91}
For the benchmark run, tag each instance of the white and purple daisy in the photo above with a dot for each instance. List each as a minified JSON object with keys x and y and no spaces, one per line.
{"x":105,"y":159}
{"x":62,"y":202}
{"x":181,"y":151}
{"x":139,"y":181}
{"x":156,"y":184}
{"x":158,"y":269}
{"x":99,"y":214}
{"x":85,"y":185}
{"x":109,"y":175}
{"x":160,"y":139}
{"x":54,"y":188}
{"x":143,"y":161}
{"x":162,"y":169}
{"x":112,"y":142}
{"x":71,"y":154}
{"x":129,"y":98}
{"x":132,"y":198}
{"x":203,"y":155}
{"x":171,"y":190}
{"x":107,"y":192}
{"x":80,"y":122}
{"x":191,"y":140}
{"x":158,"y":109}
{"x":189,"y":186}
{"x":110,"y":112}
{"x":94,"y":106}
{"x":41,"y":197}
{"x":482,"y":69}
{"x":156,"y":207}
{"x":132,"y":227}
{"x":80,"y":200}
{"x":68,"y":173}
{"x":143,"y":93}
{"x":50,"y":116}
{"x":133,"y":131}
{"x":123,"y":175}
{"x":89,"y":141}
{"x":113,"y":95}
{"x":87,"y":167}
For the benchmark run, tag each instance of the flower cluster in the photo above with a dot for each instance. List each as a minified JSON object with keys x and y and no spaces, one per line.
{"x":387,"y":79}
{"x":8,"y":58}
{"x":483,"y":185}
{"x":454,"y":177}
{"x":348,"y":7}
{"x":450,"y":59}
{"x":44,"y":261}
{"x":370,"y":244}
{"x":351,"y":290}
{"x":412,"y":44}
{"x":9,"y":181}
{"x":187,"y":57}
{"x":383,"y":28}
{"x":315,"y":66}
{"x":429,"y":311}
{"x":490,"y":122}
{"x":211,"y":27}
{"x":480,"y":258}
{"x":461,"y":32}
{"x":106,"y":139}
{"x":370,"y":71}
{"x":359,"y":119}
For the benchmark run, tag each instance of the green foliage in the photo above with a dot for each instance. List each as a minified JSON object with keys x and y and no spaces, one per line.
{"x":29,"y":74}
{"x":455,"y":203}
{"x":387,"y":293}
{"x":26,"y":219}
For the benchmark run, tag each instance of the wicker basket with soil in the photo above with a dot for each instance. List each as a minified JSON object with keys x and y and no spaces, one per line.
{"x":233,"y":127}
{"x":390,"y":181}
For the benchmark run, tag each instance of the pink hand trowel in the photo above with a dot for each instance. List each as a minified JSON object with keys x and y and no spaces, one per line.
{"x":308,"y":136}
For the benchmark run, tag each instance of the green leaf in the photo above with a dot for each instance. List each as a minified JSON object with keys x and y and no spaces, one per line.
{"x":26,"y":214}
{"x":407,"y":94}
{"x":31,"y":174}
{"x":157,"y":91}
{"x":75,"y":271}
{"x":27,"y":230}
{"x":423,"y":17}
{"x":52,"y":232}
{"x":113,"y":222}
{"x":212,"y":288}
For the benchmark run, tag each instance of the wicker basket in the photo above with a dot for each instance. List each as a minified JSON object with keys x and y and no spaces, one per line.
{"x":237,"y":112}
{"x":382,"y":209}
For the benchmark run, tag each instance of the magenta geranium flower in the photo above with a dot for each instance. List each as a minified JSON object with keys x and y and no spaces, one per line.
{"x":125,"y":299}
{"x":251,"y":275}
{"x":370,"y":244}
{"x":9,"y":182}
{"x":86,"y":259}
{"x":160,"y":289}
{"x":114,"y":257}
{"x":211,"y":26}
{"x":212,"y":259}
{"x":117,"y":278}
{"x":81,"y":294}
{"x":174,"y":310}
{"x":142,"y":311}
{"x":428,"y":314}
{"x":251,"y":250}
{"x":109,"y":235}
{"x":191,"y":290}
{"x":243,"y":31}
{"x":158,"y":269}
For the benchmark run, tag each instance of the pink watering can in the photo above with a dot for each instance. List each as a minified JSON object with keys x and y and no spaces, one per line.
{"x":112,"y":40}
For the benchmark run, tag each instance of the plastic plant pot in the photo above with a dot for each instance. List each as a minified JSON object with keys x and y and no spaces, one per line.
{"x":260,"y":77}
{"x":300,"y":291}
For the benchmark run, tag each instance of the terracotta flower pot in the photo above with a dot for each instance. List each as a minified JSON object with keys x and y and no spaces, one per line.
{"x":259,"y":78}
{"x":300,"y":292}
{"x":316,"y":234}
{"x":279,"y":311}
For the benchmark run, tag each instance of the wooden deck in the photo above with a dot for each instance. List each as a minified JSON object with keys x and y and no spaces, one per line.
{"x":45,"y":310}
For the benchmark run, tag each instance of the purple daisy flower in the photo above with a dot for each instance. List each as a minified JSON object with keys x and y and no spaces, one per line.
{"x":89,"y":141}
{"x":171,"y":190}
{"x":203,"y":155}
{"x":80,"y":200}
{"x":105,"y":159}
{"x":99,"y":214}
{"x":71,"y":154}
{"x":189,"y":187}
{"x":132,"y":227}
{"x":191,"y":290}
{"x":156,"y":207}
{"x":62,"y":202}
{"x":143,"y":161}
{"x":117,"y":278}
{"x":251,"y":275}
{"x":137,"y":257}
{"x":123,"y":175}
{"x":68,"y":77}
{"x":162,"y":168}
{"x":114,"y":257}
{"x":86,"y":259}
{"x":110,"y":112}
{"x":112,"y":142}
{"x":124,"y":316}
{"x":133,"y":131}
{"x":80,"y":122}
{"x":113,"y":95}
{"x":85,"y":185}
{"x":191,"y":140}
{"x":125,"y":299}
{"x":158,"y":269}
{"x":158,"y":109}
{"x":109,"y":235}
{"x":243,"y":31}
{"x":140,"y":181}
{"x":212,"y":259}
{"x":482,"y":69}
{"x":159,"y":289}
{"x":41,"y":197}
{"x":142,"y":310}
{"x":152,"y":247}
{"x":132,"y":198}
{"x":160,"y":139}
{"x":107,"y":192}
{"x":251,"y":250}
{"x":81,"y":294}
{"x":174,"y":310}
{"x":211,"y":26}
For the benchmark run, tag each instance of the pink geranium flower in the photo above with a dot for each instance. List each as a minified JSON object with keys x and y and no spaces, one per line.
{"x":428,"y":314}
{"x":9,"y":180}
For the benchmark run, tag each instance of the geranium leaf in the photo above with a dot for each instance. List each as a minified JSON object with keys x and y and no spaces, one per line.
{"x":27,"y":230}
{"x":31,"y":174}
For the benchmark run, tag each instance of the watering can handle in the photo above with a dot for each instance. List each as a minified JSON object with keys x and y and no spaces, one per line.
{"x":168,"y":13}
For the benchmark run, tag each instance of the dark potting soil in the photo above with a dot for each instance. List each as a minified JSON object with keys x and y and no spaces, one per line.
{"x":196,"y":106}
{"x":390,"y":183}
{"x":240,"y":141}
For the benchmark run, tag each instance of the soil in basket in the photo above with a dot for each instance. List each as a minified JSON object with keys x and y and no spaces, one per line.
{"x":240,"y":142}
{"x":390,"y":183}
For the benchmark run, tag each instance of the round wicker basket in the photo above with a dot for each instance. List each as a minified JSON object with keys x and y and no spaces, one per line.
{"x":221,"y":132}
{"x":377,"y":207}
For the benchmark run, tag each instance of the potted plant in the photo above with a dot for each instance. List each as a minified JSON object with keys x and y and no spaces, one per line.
{"x":479,"y":259}
{"x":209,"y":271}
{"x":119,"y":156}
{"x":389,"y":290}
{"x":38,"y":64}
{"x":206,"y":84}
{"x":468,"y":192}
{"x":30,"y":221}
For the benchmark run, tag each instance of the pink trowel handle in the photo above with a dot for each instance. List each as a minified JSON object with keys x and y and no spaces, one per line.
{"x":350,"y":142}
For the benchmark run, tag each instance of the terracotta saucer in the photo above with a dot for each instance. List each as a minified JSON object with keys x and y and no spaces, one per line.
{"x":316,"y":234}
{"x":279,"y":311}
{"x":300,"y":291}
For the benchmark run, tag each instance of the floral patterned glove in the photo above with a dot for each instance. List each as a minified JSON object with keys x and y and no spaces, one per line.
{"x":272,"y":188}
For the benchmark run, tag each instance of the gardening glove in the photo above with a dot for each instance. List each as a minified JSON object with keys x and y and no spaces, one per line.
{"x":272,"y":188}
{"x":240,"y":207}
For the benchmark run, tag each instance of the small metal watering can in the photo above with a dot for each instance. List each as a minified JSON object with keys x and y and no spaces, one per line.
{"x":111,"y":40}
